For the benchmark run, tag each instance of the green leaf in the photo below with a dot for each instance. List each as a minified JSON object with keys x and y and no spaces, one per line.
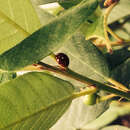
{"x":86,"y":59}
{"x":79,"y":114}
{"x":35,"y":100}
{"x":122,"y":73}
{"x":68,"y":3}
{"x":53,"y":8}
{"x":49,"y":38}
{"x":116,"y":109}
{"x":121,"y":10}
{"x":124,"y":31}
{"x":83,"y":55}
{"x":18,"y":20}
{"x":114,"y":61}
{"x":5,"y":76}
{"x":94,"y":27}
{"x":43,"y":15}
{"x":41,"y":2}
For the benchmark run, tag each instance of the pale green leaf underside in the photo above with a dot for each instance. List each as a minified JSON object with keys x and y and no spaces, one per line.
{"x":35,"y":100}
{"x":124,"y":32}
{"x":121,"y":10}
{"x":79,"y":114}
{"x":43,"y":15}
{"x":49,"y":38}
{"x":18,"y":19}
{"x":108,"y":116}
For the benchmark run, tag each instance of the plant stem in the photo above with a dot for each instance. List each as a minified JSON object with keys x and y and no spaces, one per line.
{"x":84,"y":92}
{"x":121,"y":86}
{"x":116,"y":43}
{"x":109,"y":9}
{"x":83,"y":79}
{"x":104,"y":98}
{"x":119,"y":43}
{"x":115,"y":83}
{"x":114,"y":34}
{"x":106,"y":28}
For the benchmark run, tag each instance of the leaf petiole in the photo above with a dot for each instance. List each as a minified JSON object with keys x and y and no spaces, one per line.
{"x":85,"y":92}
{"x":104,"y":98}
{"x":114,"y":35}
{"x":109,"y":9}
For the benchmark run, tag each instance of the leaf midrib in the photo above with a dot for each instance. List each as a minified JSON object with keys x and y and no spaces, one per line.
{"x":42,"y":109}
{"x":88,"y":66}
{"x":10,"y":21}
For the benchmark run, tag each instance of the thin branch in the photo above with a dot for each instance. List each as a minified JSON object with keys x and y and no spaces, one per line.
{"x":84,"y":92}
{"x":114,"y":35}
{"x":83,"y":79}
{"x":104,"y":98}
{"x":115,"y":43}
{"x":109,"y":9}
{"x":119,"y":85}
